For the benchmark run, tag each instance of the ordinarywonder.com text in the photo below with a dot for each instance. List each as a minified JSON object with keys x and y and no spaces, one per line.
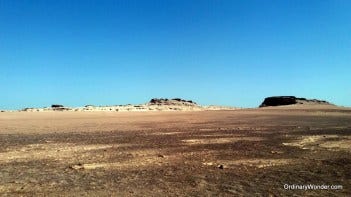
{"x":311,"y":187}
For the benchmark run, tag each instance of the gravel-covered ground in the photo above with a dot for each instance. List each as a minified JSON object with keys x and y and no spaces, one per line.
{"x":252,"y":152}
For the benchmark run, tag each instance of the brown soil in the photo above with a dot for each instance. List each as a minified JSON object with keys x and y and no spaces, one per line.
{"x":208,"y":153}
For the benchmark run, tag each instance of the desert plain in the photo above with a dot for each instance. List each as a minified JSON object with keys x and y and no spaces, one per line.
{"x":244,"y":152}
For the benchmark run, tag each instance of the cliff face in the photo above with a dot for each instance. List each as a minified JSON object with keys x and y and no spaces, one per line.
{"x":290,"y":100}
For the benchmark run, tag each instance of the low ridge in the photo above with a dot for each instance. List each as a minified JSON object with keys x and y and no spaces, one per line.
{"x":155,"y":104}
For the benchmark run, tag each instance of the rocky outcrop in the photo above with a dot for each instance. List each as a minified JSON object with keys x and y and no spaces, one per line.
{"x":289,"y":100}
{"x":56,"y":107}
{"x":278,"y":100}
{"x":175,"y":101}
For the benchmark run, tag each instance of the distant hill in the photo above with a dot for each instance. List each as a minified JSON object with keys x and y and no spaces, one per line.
{"x":291,"y":100}
{"x":175,"y":101}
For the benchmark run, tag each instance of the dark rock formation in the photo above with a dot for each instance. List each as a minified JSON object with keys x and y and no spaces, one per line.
{"x":56,"y":106}
{"x":28,"y":109}
{"x":278,"y":100}
{"x":175,"y":101}
{"x":289,"y":100}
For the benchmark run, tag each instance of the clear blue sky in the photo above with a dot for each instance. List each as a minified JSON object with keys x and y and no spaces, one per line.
{"x":213,"y":52}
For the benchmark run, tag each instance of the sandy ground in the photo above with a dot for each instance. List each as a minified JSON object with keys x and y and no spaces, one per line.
{"x":251,"y":152}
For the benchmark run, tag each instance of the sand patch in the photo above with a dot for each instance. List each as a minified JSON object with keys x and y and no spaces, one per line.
{"x":344,"y":144}
{"x":258,"y":163}
{"x":219,"y":140}
{"x":133,"y":163}
{"x":218,"y":135}
{"x":56,"y":151}
{"x":64,"y":152}
{"x":166,"y":133}
{"x":141,"y":158}
{"x":332,"y":142}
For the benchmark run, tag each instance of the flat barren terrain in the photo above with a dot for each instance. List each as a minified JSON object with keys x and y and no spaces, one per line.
{"x":249,"y":152}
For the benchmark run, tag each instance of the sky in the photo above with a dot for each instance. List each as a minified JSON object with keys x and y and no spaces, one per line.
{"x":232,"y":53}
